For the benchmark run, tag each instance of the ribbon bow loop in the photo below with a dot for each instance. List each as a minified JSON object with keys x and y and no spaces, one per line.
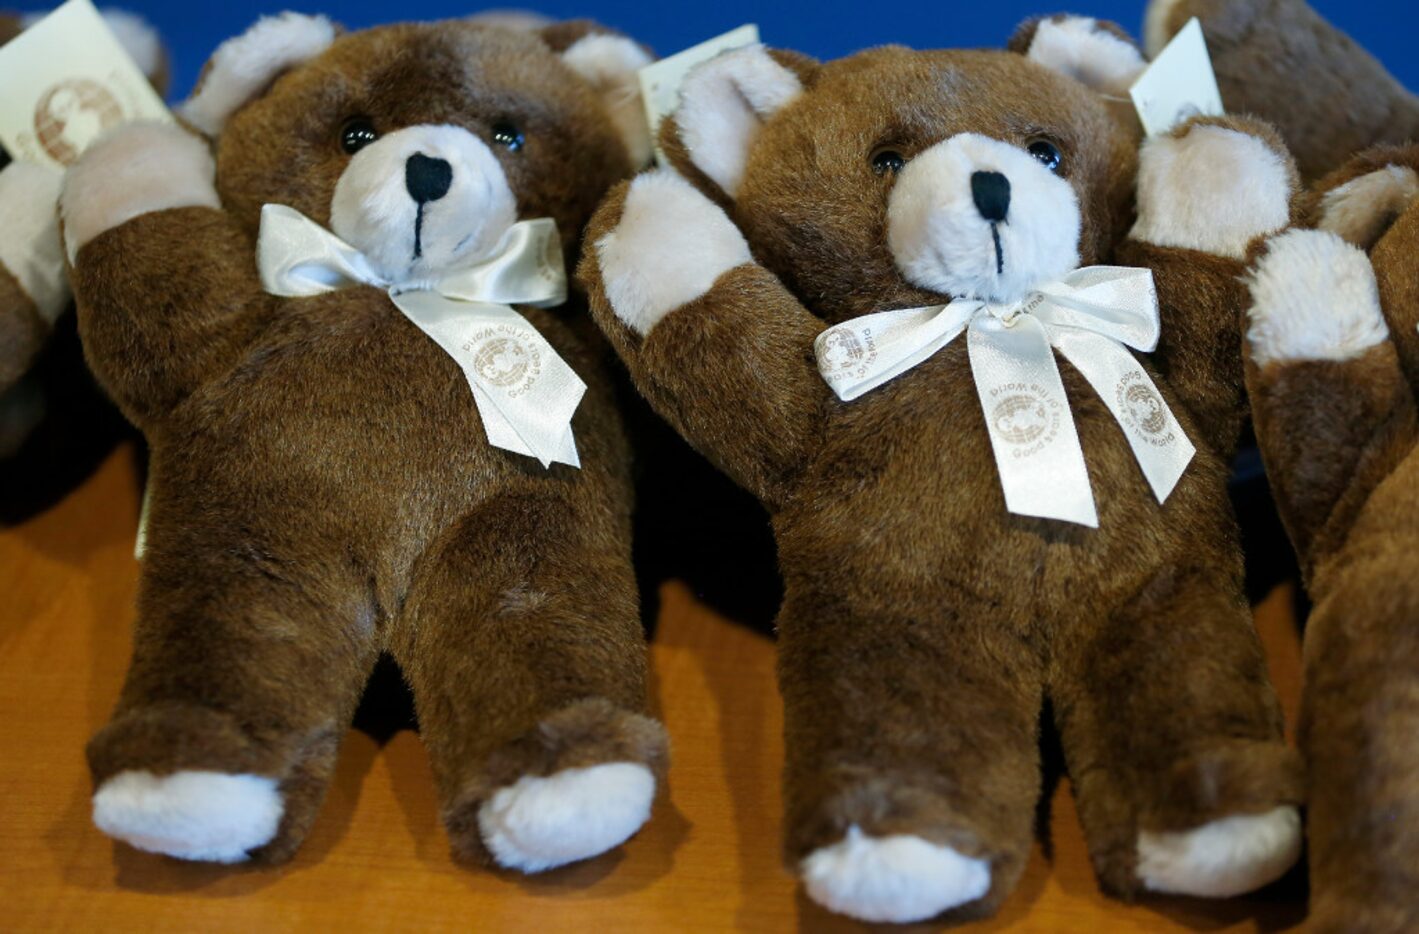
{"x":1090,"y":317}
{"x":524,"y":391}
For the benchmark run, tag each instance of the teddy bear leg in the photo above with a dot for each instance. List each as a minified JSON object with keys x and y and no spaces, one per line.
{"x":523,"y":646}
{"x":1359,"y":716}
{"x":244,"y":677}
{"x":1173,"y":739}
{"x":912,"y":753}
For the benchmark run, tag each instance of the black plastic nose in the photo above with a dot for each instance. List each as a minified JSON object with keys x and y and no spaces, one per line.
{"x":991,"y":191}
{"x":427,"y":178}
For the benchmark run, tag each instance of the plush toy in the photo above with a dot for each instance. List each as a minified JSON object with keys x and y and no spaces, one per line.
{"x":1333,"y":363}
{"x":1280,"y":60}
{"x":33,"y":288}
{"x":926,"y":619}
{"x":327,"y":480}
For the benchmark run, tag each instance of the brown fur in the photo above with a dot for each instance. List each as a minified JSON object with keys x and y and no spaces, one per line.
{"x":923,"y":625}
{"x":1280,"y":60}
{"x":321,"y":485}
{"x":1339,"y":440}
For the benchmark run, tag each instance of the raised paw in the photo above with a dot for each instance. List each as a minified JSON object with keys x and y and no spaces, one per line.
{"x":196,"y":815}
{"x":1363,"y":208}
{"x":541,"y":823}
{"x":1224,"y":858}
{"x":668,"y":248}
{"x":899,"y":878}
{"x":137,"y":169}
{"x":1214,"y":184}
{"x":1314,"y":297}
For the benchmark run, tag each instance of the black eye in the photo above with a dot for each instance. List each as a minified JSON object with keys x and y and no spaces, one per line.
{"x":507,"y":134}
{"x":356,"y":134}
{"x":887,"y":160}
{"x":1047,"y":153}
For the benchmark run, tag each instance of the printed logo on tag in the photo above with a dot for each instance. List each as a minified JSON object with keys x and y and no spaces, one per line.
{"x":68,"y":81}
{"x":1179,"y":84}
{"x":660,"y":81}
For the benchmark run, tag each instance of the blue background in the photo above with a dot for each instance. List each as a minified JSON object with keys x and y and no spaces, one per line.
{"x":824,"y":29}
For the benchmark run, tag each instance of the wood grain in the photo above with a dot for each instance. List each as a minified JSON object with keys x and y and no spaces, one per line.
{"x":377,"y":858}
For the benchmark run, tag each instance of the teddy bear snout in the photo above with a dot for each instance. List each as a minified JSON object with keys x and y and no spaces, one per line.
{"x":976,"y":217}
{"x":422,"y":199}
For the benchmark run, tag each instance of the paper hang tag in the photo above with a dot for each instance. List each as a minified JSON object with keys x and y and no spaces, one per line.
{"x":67,"y":81}
{"x":660,"y":81}
{"x":1179,"y":84}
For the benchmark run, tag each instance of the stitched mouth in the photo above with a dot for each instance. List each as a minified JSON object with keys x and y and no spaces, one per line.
{"x":999,"y":250}
{"x":419,"y":231}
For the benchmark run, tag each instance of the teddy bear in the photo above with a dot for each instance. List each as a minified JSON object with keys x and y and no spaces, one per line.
{"x":33,"y":289}
{"x":1333,"y":361}
{"x":811,"y":216}
{"x":1282,"y":61}
{"x":335,"y":315}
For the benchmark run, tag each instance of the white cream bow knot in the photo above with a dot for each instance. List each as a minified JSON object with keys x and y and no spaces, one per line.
{"x":1088,"y":316}
{"x":525,"y":393}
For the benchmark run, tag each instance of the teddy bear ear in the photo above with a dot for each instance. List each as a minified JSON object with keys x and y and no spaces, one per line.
{"x":243,"y":68}
{"x":1096,"y":53}
{"x":724,"y":103}
{"x":608,"y":62}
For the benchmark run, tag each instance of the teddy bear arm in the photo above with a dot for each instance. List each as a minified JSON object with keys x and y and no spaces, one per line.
{"x":165,"y":301}
{"x":1333,"y":410}
{"x":164,"y":279}
{"x":1208,"y":191}
{"x":716,"y":344}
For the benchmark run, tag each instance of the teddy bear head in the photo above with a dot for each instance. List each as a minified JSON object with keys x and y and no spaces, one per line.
{"x":420,"y":144}
{"x":895,"y":178}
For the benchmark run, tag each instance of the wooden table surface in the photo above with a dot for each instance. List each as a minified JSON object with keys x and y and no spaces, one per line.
{"x":377,"y":858}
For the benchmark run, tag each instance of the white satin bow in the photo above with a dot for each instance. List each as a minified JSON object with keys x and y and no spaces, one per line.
{"x":1088,"y":316}
{"x":525,"y":393}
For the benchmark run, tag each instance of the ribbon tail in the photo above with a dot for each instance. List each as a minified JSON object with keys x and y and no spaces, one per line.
{"x":1032,"y":432}
{"x":526,"y":394}
{"x":1159,"y":444}
{"x":502,"y":431}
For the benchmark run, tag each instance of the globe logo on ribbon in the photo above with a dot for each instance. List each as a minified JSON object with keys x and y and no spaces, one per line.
{"x":502,"y":361}
{"x":1020,"y":419}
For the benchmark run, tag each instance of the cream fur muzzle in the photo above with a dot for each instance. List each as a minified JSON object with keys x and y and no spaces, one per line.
{"x":942,"y":242}
{"x":374,"y":211}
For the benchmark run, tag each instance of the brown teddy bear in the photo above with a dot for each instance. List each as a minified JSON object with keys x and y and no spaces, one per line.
{"x":1333,"y":364}
{"x":326,"y":482}
{"x":33,"y":288}
{"x":1281,"y":60}
{"x":924,"y":624}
